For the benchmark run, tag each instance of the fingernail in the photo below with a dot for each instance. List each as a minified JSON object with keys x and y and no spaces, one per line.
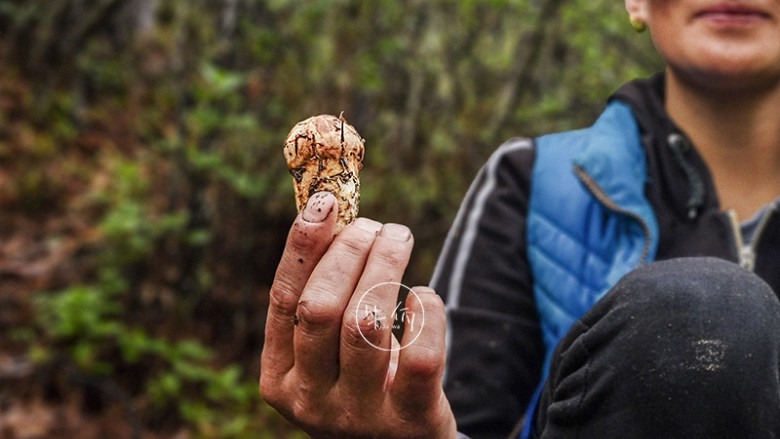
{"x":368,"y":225}
{"x":319,"y":206}
{"x":396,"y":232}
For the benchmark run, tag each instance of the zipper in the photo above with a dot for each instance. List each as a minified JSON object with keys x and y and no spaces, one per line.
{"x":604,"y":199}
{"x":680,"y":145}
{"x":746,"y":253}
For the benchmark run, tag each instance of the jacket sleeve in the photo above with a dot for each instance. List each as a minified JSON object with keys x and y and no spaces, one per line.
{"x":494,"y":342}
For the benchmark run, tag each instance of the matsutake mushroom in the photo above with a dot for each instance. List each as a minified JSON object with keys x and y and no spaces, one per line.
{"x":325,"y":153}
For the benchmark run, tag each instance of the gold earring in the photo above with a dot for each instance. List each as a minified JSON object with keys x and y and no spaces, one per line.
{"x":638,"y":25}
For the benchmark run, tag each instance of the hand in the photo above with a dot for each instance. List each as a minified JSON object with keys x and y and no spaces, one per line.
{"x":318,"y":368}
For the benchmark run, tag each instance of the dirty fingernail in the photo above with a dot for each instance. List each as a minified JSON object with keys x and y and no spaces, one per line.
{"x":396,"y":232}
{"x":318,"y":207}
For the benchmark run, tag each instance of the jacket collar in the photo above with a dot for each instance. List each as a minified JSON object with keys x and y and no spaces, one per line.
{"x":679,"y":180}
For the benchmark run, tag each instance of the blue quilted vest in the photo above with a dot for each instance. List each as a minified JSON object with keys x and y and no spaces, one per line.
{"x":589,"y":222}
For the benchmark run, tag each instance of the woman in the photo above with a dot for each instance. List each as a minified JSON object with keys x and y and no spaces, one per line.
{"x":586,"y":278}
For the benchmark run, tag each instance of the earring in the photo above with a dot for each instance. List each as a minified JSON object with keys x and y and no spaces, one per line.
{"x":638,"y":25}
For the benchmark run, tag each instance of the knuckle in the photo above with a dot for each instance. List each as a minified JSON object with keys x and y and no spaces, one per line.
{"x":302,"y":411}
{"x":354,"y":245}
{"x":282,"y":299}
{"x":296,"y":406}
{"x":272,"y":391}
{"x":430,"y":300}
{"x":320,"y":312}
{"x":269,"y":391}
{"x":311,"y":416}
{"x":427,"y":364}
{"x":351,"y":332}
{"x":392,"y":254}
{"x":357,"y":331}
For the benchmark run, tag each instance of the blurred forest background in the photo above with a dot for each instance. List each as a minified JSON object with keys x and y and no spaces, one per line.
{"x":144,"y":199}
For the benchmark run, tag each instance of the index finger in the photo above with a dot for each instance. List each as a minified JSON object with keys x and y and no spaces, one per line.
{"x":309,"y":238}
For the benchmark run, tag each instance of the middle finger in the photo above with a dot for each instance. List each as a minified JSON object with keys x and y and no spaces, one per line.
{"x":368,"y":321}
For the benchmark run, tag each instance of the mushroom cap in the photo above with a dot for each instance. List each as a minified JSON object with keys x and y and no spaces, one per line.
{"x":326,"y":137}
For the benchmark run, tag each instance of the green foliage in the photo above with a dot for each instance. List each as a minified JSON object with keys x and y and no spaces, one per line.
{"x":88,"y":324}
{"x":85,"y":320}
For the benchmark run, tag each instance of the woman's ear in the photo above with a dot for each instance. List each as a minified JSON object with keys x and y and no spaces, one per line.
{"x":637,"y":10}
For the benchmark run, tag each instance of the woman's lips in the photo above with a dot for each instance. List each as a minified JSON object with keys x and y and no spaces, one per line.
{"x":732,"y":14}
